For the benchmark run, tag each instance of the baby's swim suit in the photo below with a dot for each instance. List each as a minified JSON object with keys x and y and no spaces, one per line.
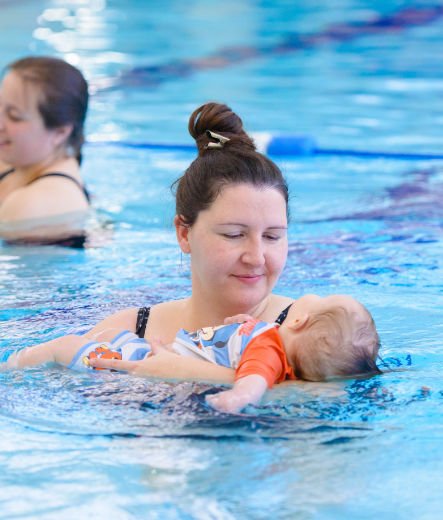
{"x":253,"y":347}
{"x":126,"y":346}
{"x":222,"y":345}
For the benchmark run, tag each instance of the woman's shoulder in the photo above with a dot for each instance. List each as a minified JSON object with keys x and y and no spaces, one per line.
{"x":166,"y":318}
{"x":48,"y":195}
{"x":123,"y":319}
{"x":276,"y":305}
{"x":63,"y":180}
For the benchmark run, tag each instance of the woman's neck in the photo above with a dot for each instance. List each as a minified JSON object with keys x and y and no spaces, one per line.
{"x":203,"y":313}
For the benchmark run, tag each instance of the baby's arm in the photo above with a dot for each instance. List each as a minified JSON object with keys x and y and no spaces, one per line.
{"x":246,"y":390}
{"x":261,"y":365}
{"x":59,"y":350}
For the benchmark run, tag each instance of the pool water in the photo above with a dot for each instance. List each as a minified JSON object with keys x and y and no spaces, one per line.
{"x":114,"y":446}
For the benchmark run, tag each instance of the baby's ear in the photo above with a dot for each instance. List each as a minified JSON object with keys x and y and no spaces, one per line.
{"x":298,"y":323}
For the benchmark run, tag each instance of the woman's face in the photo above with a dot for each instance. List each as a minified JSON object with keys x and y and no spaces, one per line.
{"x":238,"y":247}
{"x":24,"y":140}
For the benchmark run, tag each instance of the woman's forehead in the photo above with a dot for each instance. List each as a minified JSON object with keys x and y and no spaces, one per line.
{"x":15,"y":90}
{"x":249,"y":197}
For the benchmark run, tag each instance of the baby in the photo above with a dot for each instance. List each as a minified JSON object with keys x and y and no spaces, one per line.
{"x":320,"y":338}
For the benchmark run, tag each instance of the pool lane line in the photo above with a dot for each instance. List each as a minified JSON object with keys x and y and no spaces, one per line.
{"x":280,"y":146}
{"x":153,"y":75}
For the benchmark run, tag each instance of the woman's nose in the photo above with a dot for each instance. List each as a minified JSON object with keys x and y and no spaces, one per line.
{"x":254,"y":253}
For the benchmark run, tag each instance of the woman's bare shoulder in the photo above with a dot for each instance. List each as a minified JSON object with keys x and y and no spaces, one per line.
{"x":165,"y":319}
{"x":277,"y":303}
{"x":36,"y":201}
{"x":124,"y":319}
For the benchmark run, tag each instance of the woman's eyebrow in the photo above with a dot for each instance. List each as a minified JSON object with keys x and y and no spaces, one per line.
{"x":246,"y":226}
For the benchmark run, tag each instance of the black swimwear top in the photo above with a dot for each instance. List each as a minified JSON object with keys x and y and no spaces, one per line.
{"x":53,"y":174}
{"x":143,"y":316}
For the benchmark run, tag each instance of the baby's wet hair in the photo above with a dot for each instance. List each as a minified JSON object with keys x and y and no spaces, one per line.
{"x":335,"y":343}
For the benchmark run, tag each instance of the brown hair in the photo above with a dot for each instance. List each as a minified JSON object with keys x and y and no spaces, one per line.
{"x":64,"y":94}
{"x":234,"y":162}
{"x":336,"y":343}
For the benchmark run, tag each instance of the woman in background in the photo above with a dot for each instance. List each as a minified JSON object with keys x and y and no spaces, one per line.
{"x":43,"y":105}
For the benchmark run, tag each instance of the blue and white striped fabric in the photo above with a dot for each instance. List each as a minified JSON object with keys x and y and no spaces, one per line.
{"x":126,"y":345}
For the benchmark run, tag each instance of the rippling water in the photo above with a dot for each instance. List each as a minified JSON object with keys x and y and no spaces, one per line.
{"x":114,"y":446}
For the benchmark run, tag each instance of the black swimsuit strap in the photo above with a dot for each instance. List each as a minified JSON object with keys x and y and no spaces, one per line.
{"x":282,"y":316}
{"x":6,"y":173}
{"x":142,"y":321}
{"x":143,"y":317}
{"x":66,"y":176}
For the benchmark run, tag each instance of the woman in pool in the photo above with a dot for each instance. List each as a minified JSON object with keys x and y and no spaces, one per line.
{"x":43,"y":104}
{"x":231,"y":218}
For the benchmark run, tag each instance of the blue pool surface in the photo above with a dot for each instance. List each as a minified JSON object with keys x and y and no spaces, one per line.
{"x":115,"y":446}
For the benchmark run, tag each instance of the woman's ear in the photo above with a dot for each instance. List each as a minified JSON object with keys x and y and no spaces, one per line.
{"x":182,"y":233}
{"x":62,"y":133}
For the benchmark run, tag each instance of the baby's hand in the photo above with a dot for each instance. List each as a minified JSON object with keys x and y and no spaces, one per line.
{"x":238,"y":318}
{"x":227,"y":401}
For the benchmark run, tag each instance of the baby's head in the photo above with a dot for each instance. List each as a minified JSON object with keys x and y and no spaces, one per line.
{"x":330,"y":337}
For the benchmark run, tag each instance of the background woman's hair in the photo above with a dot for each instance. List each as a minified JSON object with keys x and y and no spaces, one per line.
{"x":234,"y":162}
{"x":64,"y":94}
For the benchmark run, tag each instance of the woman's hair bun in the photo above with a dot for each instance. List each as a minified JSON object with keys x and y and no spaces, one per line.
{"x":220,"y":119}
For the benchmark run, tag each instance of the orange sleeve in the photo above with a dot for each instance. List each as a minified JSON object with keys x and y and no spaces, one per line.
{"x":265,"y":356}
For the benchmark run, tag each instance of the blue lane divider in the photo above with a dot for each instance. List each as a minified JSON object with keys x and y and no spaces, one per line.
{"x":282,"y":145}
{"x":153,"y":75}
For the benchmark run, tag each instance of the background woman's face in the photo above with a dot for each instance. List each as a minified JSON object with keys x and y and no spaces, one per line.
{"x":24,"y":140}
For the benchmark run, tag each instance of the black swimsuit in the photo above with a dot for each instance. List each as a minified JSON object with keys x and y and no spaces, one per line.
{"x":143,"y":316}
{"x":52,"y":174}
{"x":75,"y":241}
{"x":6,"y":173}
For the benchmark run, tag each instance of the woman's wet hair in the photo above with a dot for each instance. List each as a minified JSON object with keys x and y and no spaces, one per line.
{"x":64,"y":94}
{"x":226,"y":156}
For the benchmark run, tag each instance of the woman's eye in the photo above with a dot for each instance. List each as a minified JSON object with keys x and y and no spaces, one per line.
{"x":272,"y":238}
{"x":13,"y":116}
{"x":232,"y":235}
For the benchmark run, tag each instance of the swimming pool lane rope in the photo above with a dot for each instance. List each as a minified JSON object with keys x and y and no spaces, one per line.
{"x":154,"y":75}
{"x":278,"y":145}
{"x":281,"y":145}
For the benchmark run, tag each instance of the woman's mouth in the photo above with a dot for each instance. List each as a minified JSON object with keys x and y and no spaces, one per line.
{"x":248,"y":279}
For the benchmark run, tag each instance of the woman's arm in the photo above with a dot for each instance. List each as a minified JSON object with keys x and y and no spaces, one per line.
{"x":62,"y":350}
{"x":59,"y":350}
{"x":168,"y":365}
